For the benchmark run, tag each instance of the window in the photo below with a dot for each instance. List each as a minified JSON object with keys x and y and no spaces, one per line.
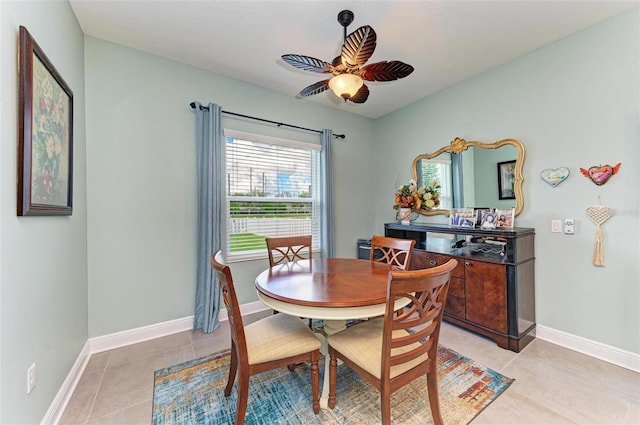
{"x":272,"y":189}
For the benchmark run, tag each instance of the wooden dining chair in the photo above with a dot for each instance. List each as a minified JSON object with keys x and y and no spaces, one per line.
{"x":392,"y":351}
{"x":269,"y":343}
{"x":394,"y":251}
{"x":286,"y":249}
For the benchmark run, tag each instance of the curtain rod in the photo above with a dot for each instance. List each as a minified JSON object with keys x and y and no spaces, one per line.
{"x":279,"y":124}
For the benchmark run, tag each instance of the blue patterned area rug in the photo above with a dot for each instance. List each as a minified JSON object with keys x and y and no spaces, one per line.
{"x":192,"y":393}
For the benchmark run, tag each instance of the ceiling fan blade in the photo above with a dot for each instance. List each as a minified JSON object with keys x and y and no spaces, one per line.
{"x":361,"y":96}
{"x":315,"y":88}
{"x":307,"y":63}
{"x":359,"y":46}
{"x":386,"y":71}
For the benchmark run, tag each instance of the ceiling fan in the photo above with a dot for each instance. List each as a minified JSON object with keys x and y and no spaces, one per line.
{"x":348,"y":69}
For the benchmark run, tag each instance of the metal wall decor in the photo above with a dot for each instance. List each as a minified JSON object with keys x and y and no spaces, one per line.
{"x":554,"y":176}
{"x":600,"y":174}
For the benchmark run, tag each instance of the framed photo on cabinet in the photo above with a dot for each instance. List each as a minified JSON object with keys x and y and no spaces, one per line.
{"x":45,"y":134}
{"x":504,"y":218}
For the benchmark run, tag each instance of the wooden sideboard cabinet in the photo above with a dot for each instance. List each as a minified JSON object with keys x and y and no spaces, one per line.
{"x":492,"y":289}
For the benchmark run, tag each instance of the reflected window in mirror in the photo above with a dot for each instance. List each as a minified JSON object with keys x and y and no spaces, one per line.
{"x":438,"y":170}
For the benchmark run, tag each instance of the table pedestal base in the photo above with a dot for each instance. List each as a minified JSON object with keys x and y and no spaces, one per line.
{"x":330,"y":327}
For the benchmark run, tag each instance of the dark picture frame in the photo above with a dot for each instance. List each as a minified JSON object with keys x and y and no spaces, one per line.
{"x":45,"y":134}
{"x":506,"y":179}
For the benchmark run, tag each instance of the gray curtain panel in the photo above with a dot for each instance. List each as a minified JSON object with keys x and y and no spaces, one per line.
{"x":210,"y":171}
{"x":326,"y":173}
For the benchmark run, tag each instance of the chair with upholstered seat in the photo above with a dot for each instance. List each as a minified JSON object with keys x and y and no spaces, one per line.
{"x":392,"y":351}
{"x":275,"y":341}
{"x":285,"y":249}
{"x":394,"y":251}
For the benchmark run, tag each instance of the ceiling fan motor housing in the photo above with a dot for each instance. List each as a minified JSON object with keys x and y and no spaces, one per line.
{"x":345,"y":18}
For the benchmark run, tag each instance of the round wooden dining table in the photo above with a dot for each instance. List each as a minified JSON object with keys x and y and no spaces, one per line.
{"x":332,"y":289}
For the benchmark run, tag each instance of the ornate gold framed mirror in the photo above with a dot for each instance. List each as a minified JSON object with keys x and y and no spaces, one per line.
{"x":469,"y":174}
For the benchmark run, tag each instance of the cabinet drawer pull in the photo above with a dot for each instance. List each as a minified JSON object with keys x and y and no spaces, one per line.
{"x":466,"y":263}
{"x":432,"y":262}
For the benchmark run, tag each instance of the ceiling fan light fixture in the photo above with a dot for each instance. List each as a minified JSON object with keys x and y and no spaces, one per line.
{"x":348,"y":69}
{"x":345,"y":85}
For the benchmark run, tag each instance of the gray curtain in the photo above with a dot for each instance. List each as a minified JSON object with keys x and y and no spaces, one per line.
{"x":326,"y":173}
{"x":210,"y":162}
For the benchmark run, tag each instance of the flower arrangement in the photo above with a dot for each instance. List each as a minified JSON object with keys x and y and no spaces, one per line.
{"x":407,"y":196}
{"x":415,"y":198}
{"x":431,"y":195}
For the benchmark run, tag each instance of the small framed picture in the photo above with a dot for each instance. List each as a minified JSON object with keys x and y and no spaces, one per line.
{"x":462,"y":217}
{"x":454,"y":218}
{"x":504,"y":218}
{"x":506,"y":179}
{"x":488,"y":220}
{"x":479,"y":212}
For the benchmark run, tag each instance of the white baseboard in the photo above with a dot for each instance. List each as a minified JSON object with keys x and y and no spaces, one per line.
{"x":56,"y":409}
{"x":609,"y":354}
{"x":121,"y":339}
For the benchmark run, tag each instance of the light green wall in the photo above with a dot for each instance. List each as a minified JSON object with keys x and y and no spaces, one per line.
{"x":43,"y":260}
{"x":142,"y":184}
{"x":574,"y":103}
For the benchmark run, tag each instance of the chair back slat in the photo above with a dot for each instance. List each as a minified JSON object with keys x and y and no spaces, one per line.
{"x":223,"y":274}
{"x":287,"y":249}
{"x":394,"y":251}
{"x":414,"y":331}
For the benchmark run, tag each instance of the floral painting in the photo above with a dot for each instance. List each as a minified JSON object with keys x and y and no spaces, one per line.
{"x":50,"y":139}
{"x":45,"y":142}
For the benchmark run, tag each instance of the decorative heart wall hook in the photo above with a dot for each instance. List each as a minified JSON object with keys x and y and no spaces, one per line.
{"x":600,"y":174}
{"x":555,"y":176}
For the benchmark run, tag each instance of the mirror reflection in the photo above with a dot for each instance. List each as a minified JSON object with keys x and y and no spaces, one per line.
{"x":474,"y":174}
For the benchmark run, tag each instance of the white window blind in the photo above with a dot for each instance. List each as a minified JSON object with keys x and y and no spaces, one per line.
{"x":272,"y":189}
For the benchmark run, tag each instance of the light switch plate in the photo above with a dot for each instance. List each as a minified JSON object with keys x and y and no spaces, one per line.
{"x":556,"y":226}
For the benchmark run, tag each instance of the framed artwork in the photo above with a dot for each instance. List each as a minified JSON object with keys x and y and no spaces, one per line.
{"x":504,"y":218}
{"x":506,"y":179}
{"x":45,"y":134}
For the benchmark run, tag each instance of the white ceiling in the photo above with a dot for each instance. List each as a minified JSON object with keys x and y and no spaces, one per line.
{"x":445,"y":41}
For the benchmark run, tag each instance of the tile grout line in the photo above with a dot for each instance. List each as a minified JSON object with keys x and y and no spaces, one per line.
{"x":95,"y":396}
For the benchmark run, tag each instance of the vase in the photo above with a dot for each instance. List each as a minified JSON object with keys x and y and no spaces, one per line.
{"x":404,"y":215}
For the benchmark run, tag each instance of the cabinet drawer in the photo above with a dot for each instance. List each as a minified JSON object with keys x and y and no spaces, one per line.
{"x":425,"y":260}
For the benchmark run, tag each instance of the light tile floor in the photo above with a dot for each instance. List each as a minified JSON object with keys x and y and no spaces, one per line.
{"x":553,"y":385}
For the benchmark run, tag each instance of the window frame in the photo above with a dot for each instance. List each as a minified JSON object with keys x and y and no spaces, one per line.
{"x":316,"y":201}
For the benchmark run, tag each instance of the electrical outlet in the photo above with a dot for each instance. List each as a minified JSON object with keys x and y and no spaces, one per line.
{"x":568,"y":226}
{"x":31,"y":378}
